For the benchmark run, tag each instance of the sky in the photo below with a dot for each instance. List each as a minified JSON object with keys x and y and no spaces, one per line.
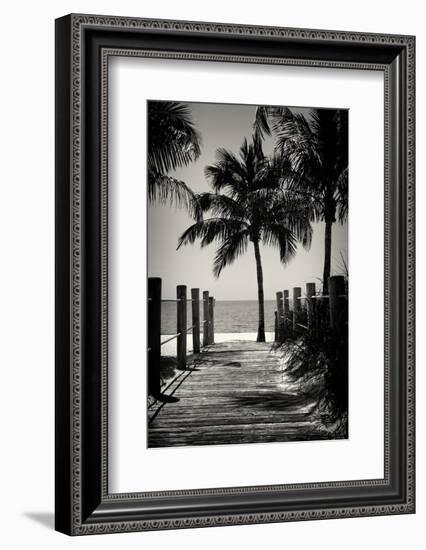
{"x":226,"y":125}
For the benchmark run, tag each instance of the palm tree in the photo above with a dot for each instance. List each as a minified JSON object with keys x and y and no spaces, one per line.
{"x":248,"y":204}
{"x":317,"y":150}
{"x":173,"y":141}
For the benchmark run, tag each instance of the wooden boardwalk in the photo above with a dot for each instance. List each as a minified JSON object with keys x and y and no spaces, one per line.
{"x":234,"y":392}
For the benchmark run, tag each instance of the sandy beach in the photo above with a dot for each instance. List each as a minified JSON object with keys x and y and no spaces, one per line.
{"x":169,"y":349}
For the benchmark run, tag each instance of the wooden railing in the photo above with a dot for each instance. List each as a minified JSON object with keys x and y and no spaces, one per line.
{"x":182,"y":330}
{"x":289,"y":321}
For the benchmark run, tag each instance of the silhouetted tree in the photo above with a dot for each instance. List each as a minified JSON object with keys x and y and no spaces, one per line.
{"x":249,"y":204}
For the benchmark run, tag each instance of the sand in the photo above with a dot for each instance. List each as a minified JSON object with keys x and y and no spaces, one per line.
{"x":169,"y":349}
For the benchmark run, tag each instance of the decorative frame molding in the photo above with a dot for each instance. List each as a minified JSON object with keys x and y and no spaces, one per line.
{"x":84,"y":44}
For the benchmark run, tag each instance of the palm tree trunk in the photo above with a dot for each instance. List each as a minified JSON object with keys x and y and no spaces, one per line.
{"x":327,"y":256}
{"x":260,"y":296}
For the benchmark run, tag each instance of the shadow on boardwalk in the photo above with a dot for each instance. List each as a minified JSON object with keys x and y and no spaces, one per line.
{"x":233,"y":392}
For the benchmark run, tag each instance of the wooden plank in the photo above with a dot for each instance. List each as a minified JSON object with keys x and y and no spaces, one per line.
{"x":235,"y":392}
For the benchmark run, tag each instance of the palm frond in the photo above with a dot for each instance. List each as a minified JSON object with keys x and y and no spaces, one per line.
{"x":295,"y":216}
{"x":173,"y":140}
{"x":343,"y":267}
{"x":223,"y":178}
{"x":252,"y":199}
{"x":229,"y":251}
{"x":342,"y":157}
{"x":220,"y":205}
{"x":261,"y":124}
{"x":227,"y":159}
{"x":277,"y":235}
{"x":211,"y":229}
{"x":269,"y":119}
{"x":296,"y":141}
{"x":227,"y":173}
{"x":164,"y":189}
{"x":341,"y":195}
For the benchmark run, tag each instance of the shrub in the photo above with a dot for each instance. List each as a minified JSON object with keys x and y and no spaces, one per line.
{"x":317,"y":361}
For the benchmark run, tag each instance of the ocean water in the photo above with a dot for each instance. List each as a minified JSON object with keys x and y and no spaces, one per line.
{"x":229,"y":316}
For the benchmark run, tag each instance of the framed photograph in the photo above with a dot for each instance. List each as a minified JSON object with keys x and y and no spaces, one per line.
{"x":234,"y":274}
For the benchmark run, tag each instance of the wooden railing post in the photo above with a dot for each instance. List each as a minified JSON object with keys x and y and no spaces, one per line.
{"x":297,"y":305}
{"x":337,"y":301}
{"x":310,"y":303}
{"x":211,"y":320}
{"x":286,"y":306}
{"x":286,"y":302}
{"x":280,"y":316}
{"x":154,"y":335}
{"x":181,"y":326}
{"x":195,"y":297}
{"x":276,"y":326}
{"x":206,"y":318}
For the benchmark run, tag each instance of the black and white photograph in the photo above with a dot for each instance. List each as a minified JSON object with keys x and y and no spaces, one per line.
{"x":248,"y":273}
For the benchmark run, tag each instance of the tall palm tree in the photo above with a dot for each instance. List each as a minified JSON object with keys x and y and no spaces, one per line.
{"x":173,"y":141}
{"x":248,"y":204}
{"x":317,"y":149}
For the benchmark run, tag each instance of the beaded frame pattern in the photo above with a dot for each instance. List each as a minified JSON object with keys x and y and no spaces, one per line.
{"x":77,"y":23}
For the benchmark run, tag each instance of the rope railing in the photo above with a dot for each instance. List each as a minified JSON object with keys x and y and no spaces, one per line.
{"x":176,"y":335}
{"x":317,"y":297}
{"x":173,"y":300}
{"x":170,"y":339}
{"x":155,"y":343}
{"x":327,"y":296}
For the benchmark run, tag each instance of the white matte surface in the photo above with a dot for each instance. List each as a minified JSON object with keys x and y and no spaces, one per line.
{"x":132,"y":82}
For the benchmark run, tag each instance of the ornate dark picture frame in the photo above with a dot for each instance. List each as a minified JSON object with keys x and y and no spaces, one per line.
{"x":83,"y":45}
